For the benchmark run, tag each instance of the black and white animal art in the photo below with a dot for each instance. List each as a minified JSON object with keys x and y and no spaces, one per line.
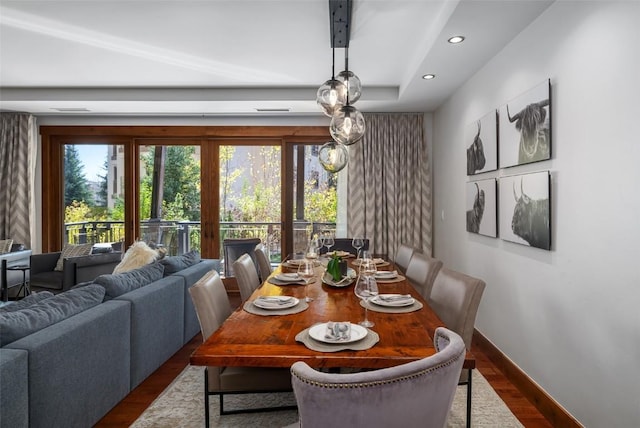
{"x":533,"y":124}
{"x":474,"y":216}
{"x":475,"y":154}
{"x":530,"y":219}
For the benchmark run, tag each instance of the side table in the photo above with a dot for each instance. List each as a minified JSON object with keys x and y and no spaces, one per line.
{"x":25,"y":284}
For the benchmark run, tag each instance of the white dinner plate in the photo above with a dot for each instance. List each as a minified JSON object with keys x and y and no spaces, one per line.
{"x":275,"y":302}
{"x":288,"y":277}
{"x":347,"y":281}
{"x":377,"y":261}
{"x":392,"y":300}
{"x":339,"y":253}
{"x":317,"y":332}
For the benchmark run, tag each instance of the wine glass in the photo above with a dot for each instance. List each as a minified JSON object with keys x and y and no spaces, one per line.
{"x":328,"y":242}
{"x":307,"y":272}
{"x":312,"y":250}
{"x":365,"y":288}
{"x":357,"y":243}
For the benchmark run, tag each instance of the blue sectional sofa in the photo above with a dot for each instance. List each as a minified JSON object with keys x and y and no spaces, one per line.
{"x":72,"y":372}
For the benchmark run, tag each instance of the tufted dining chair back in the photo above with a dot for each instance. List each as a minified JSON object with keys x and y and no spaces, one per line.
{"x":422,"y":272}
{"x":246,"y":275}
{"x":415,"y":394}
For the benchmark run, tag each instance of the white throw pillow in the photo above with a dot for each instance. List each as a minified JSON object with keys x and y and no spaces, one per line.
{"x":71,"y":250}
{"x":5,"y":245}
{"x":138,"y":255}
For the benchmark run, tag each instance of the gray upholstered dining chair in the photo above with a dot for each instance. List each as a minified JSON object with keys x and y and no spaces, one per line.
{"x":415,"y":394}
{"x":233,"y":248}
{"x":212,"y":308}
{"x":246,"y":276}
{"x":422,"y":272}
{"x":264,"y":265}
{"x":403,"y":256}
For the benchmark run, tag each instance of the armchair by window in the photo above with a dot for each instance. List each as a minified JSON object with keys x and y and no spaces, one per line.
{"x":74,"y":270}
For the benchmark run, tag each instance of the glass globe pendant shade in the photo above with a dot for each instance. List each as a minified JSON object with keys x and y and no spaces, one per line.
{"x":353,"y":85}
{"x":347,"y":125}
{"x":333,"y":156}
{"x":331,"y":96}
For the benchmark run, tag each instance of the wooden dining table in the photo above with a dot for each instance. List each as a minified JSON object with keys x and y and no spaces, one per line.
{"x":250,"y":340}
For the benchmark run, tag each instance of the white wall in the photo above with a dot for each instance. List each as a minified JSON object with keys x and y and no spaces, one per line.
{"x":569,"y":317}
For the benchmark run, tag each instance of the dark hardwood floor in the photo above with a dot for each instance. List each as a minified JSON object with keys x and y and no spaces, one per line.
{"x":132,"y":406}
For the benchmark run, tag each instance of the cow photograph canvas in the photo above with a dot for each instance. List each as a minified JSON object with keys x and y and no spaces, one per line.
{"x":525,"y":127}
{"x":525,"y":209}
{"x":481,"y":207}
{"x":481,"y":141}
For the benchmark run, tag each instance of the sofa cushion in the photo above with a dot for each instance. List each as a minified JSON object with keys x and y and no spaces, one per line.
{"x":18,"y":324}
{"x":139,"y":254}
{"x":71,"y":250}
{"x":120,"y":283}
{"x":173,"y":264}
{"x":5,"y":245}
{"x":31,"y":299}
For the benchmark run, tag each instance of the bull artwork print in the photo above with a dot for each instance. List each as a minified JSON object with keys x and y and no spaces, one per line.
{"x":529,"y":208}
{"x":474,"y":216}
{"x":525,"y":128}
{"x":481,"y":207}
{"x":475,"y":154}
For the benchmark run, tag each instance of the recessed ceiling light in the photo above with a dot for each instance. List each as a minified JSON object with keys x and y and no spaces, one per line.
{"x":456,"y":39}
{"x":429,"y":76}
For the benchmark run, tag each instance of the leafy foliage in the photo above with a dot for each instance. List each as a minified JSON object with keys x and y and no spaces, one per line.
{"x":75,"y":182}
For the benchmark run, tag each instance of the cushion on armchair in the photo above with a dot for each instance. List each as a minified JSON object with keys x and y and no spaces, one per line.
{"x":71,"y":250}
{"x":5,"y":245}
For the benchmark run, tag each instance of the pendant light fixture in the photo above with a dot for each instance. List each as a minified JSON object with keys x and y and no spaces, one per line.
{"x":350,"y":80}
{"x":347,"y":124}
{"x":333,"y":156}
{"x":331,"y":96}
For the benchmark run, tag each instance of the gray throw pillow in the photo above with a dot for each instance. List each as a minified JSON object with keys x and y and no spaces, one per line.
{"x":18,"y":324}
{"x":118,"y":284}
{"x":173,"y":264}
{"x":31,"y":299}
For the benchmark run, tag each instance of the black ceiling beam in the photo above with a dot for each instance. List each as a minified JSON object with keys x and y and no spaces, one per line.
{"x":340,"y":22}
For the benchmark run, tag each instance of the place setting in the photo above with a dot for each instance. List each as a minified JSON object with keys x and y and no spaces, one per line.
{"x":388,"y":276}
{"x":391,"y":303}
{"x":337,"y":336}
{"x":275,"y":305}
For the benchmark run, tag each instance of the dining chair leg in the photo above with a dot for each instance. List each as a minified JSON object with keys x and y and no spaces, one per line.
{"x":206,"y":398}
{"x":469,"y":399}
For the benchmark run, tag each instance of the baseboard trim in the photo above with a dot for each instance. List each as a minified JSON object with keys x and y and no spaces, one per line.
{"x":550,"y":409}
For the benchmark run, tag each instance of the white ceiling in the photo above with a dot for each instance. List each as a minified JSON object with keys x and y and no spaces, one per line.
{"x":231,"y":57}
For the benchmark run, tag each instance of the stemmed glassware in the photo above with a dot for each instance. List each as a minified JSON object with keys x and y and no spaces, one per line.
{"x":307,"y":272}
{"x":365,"y":288}
{"x":328,"y":241}
{"x":357,"y":243}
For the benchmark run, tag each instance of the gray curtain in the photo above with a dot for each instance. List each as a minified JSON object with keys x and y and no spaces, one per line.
{"x":15,"y":187}
{"x":389,"y":184}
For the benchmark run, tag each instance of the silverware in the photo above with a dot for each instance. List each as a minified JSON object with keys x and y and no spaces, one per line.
{"x":275,"y":299}
{"x":395,"y":298}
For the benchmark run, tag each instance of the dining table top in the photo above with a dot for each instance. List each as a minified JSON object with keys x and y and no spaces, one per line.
{"x":250,"y":340}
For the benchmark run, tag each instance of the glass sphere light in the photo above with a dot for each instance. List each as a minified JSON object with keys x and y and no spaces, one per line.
{"x":331,"y":96}
{"x":352,"y":84}
{"x":333,"y":156}
{"x":347,"y":125}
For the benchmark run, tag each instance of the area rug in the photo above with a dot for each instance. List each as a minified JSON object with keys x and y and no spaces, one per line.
{"x":181,"y":405}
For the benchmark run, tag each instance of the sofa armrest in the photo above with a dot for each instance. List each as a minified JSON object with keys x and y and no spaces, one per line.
{"x":43,"y":262}
{"x":87,"y":268}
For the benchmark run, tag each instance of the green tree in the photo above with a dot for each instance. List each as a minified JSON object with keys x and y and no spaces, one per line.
{"x":102,"y":192}
{"x":75,"y":182}
{"x":181,"y":188}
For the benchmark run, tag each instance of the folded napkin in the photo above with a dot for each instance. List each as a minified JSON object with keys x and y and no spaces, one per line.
{"x":273,"y":301}
{"x":337,"y":331}
{"x":395,"y":299}
{"x":383,"y":274}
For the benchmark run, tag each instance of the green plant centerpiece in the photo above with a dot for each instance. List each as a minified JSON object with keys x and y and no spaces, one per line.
{"x":337,"y":267}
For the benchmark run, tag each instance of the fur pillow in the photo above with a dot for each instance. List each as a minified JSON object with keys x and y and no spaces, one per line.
{"x":71,"y":250}
{"x":138,"y":255}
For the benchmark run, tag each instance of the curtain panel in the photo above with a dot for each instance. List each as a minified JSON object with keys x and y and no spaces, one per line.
{"x":389,"y":184}
{"x":16,"y":180}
